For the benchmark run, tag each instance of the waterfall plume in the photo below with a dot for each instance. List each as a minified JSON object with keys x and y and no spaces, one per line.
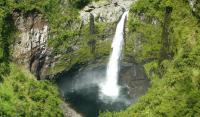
{"x":110,"y":87}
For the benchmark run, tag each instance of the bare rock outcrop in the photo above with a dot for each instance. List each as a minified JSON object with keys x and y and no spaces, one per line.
{"x":30,"y":46}
{"x":105,"y":11}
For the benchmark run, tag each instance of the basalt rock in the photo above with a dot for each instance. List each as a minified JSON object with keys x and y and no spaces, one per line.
{"x":30,"y":47}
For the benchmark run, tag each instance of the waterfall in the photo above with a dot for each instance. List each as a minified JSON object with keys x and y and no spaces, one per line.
{"x":110,"y":86}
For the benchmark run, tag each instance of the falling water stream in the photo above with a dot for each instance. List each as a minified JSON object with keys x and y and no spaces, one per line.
{"x":110,"y":86}
{"x":100,"y":87}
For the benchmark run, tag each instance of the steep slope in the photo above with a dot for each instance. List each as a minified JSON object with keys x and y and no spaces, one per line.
{"x":22,"y":95}
{"x":46,"y":37}
{"x":53,"y":38}
{"x":164,"y":35}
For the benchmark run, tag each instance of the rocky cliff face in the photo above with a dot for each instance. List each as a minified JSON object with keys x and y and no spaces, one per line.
{"x":30,"y":47}
{"x":105,"y":11}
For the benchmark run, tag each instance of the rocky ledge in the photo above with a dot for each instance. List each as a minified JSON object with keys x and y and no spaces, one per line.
{"x":105,"y":11}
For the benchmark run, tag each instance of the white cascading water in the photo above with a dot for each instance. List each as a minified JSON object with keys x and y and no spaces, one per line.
{"x":110,"y":86}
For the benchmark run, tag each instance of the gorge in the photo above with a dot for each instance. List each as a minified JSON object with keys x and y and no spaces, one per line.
{"x":105,"y":58}
{"x":95,"y":87}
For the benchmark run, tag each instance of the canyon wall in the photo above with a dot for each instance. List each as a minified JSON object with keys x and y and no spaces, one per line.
{"x":31,"y":47}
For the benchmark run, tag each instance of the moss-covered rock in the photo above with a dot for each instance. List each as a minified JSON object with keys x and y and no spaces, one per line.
{"x":87,"y":48}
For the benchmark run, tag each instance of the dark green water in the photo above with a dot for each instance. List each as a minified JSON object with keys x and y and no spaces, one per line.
{"x":81,"y":89}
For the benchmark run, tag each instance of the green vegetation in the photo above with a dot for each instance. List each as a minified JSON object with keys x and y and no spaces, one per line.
{"x":175,"y":78}
{"x":84,"y":47}
{"x":163,"y":34}
{"x":22,"y":95}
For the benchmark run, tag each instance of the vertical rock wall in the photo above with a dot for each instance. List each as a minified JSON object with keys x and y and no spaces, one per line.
{"x":30,"y":47}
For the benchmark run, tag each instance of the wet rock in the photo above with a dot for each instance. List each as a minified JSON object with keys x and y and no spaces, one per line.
{"x":134,"y":78}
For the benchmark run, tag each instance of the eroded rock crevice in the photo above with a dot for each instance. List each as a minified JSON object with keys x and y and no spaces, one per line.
{"x":30,"y":47}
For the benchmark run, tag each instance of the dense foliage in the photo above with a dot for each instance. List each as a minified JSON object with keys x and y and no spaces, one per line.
{"x":175,"y":77}
{"x":163,"y":34}
{"x":22,"y":95}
